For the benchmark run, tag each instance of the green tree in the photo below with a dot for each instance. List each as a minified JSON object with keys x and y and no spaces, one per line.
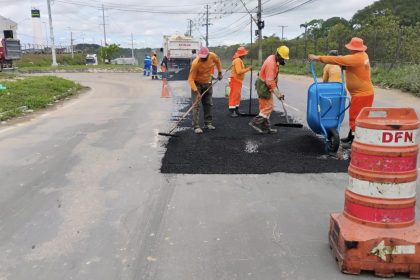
{"x":407,"y":10}
{"x":108,"y":51}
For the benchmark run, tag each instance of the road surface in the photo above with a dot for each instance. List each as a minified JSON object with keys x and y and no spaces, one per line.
{"x":82,"y":197}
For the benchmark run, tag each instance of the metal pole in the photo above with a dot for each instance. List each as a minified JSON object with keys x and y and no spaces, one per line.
{"x":190,"y":27}
{"x":207,"y":25}
{"x":250,"y":81}
{"x":259,"y":33}
{"x":132,"y":47}
{"x":71,"y":44}
{"x":282,"y":31}
{"x":54,"y":58}
{"x":103,"y":22}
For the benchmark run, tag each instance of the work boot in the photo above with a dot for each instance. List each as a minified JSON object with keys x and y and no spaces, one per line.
{"x":209,"y":126}
{"x":237,"y":111}
{"x":257,"y":124}
{"x":349,"y":137}
{"x":347,"y":145}
{"x":198,"y":130}
{"x":267,"y":128}
{"x":233,"y":113}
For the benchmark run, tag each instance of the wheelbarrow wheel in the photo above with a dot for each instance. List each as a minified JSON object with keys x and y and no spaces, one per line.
{"x":333,"y":141}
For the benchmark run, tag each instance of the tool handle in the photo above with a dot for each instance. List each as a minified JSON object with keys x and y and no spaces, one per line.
{"x":284,"y":109}
{"x":196,"y":102}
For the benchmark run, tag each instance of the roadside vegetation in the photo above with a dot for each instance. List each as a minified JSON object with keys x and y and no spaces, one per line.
{"x":390,"y":29}
{"x":27,"y":94}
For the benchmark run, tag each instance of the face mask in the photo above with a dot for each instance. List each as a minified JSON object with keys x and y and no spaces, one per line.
{"x":282,"y":62}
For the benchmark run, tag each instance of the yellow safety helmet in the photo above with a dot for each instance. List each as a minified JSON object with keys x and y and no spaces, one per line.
{"x":283,"y":51}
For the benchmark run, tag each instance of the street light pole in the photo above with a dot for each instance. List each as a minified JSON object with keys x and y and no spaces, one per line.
{"x":54,"y":58}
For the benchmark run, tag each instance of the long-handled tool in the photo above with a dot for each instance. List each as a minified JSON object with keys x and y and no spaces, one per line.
{"x":169,"y":133}
{"x":186,"y":113}
{"x":288,"y":124}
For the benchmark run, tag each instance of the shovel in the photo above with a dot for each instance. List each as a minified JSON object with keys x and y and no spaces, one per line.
{"x":288,"y":124}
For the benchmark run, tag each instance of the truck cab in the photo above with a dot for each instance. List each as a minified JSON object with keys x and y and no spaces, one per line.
{"x":91,"y":59}
{"x":9,"y":50}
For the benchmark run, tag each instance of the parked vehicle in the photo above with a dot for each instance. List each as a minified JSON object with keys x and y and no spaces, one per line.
{"x":91,"y":59}
{"x":10,"y":50}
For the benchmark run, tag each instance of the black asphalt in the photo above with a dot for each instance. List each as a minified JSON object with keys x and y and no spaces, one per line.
{"x":235,"y":148}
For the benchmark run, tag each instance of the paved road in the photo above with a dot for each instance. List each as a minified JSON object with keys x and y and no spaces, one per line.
{"x":82,"y":198}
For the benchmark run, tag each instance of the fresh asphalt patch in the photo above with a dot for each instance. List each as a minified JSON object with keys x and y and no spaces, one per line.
{"x":236,"y":148}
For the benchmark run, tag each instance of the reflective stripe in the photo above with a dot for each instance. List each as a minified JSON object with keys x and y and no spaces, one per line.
{"x":378,"y":215}
{"x":382,"y":190}
{"x":383,"y":163}
{"x":390,"y":138}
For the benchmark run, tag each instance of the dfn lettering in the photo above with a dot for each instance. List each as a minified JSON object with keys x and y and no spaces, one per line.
{"x":399,"y":136}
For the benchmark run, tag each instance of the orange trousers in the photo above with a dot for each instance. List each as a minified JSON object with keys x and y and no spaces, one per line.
{"x":235,"y":93}
{"x":266,"y":106}
{"x":357,"y":104}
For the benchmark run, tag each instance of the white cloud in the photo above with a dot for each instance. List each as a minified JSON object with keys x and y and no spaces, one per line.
{"x":148,"y":28}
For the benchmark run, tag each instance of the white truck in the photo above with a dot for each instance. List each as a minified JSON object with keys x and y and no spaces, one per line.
{"x":181,"y":50}
{"x":91,"y":59}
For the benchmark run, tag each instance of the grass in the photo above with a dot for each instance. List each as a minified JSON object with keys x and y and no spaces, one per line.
{"x":406,"y":78}
{"x":31,"y":93}
{"x":42,"y":63}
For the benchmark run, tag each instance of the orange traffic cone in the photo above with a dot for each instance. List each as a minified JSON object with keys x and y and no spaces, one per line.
{"x":165,"y":91}
{"x":377,"y":230}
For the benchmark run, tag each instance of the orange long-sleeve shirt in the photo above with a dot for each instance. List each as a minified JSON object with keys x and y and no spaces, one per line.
{"x":358,"y":81}
{"x":238,"y":69}
{"x":269,"y":72}
{"x":332,"y":73}
{"x":154,"y":60}
{"x":201,"y":71}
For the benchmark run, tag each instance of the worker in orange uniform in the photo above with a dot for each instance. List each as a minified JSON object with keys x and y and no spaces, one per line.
{"x":266,"y":85}
{"x":332,"y":72}
{"x":236,"y":78}
{"x":200,"y":78}
{"x":358,"y":80}
{"x":154,"y":66}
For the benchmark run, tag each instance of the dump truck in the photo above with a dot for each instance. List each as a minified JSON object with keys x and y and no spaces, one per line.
{"x":10,"y":50}
{"x":181,"y":50}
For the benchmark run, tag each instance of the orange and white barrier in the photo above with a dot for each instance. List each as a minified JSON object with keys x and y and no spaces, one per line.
{"x":165,"y":90}
{"x":377,"y":230}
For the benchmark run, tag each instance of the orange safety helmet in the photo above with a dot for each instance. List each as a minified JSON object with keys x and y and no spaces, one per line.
{"x":241,"y":51}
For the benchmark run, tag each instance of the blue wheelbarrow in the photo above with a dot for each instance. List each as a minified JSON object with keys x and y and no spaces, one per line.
{"x":326,"y":108}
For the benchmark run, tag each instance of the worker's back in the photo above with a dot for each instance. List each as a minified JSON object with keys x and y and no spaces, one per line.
{"x":332,"y":73}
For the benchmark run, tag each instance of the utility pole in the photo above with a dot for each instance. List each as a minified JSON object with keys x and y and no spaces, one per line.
{"x":132,"y":46}
{"x":54,"y":58}
{"x":190,"y":27}
{"x":282,"y":31}
{"x":260,"y":27}
{"x":71,"y":44}
{"x":207,"y":25}
{"x":103,"y":23}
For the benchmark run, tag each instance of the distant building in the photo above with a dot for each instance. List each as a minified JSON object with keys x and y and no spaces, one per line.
{"x":7,"y":24}
{"x":125,"y":60}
